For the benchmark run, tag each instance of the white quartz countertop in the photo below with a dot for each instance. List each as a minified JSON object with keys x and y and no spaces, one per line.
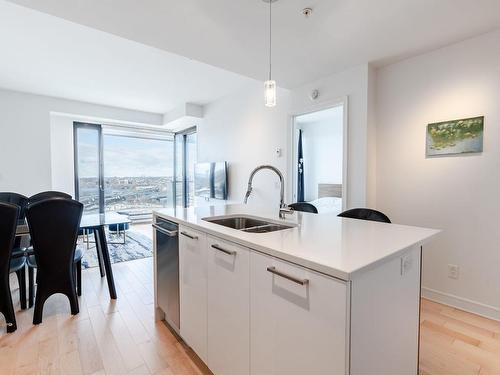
{"x":335,"y":246}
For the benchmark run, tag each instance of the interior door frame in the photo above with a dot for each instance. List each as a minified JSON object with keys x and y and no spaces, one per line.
{"x":292,"y":170}
{"x":98,"y":127}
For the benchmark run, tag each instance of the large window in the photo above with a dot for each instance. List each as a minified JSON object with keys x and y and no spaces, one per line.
{"x":138,"y":173}
{"x":133,"y":171}
{"x":127,"y":171}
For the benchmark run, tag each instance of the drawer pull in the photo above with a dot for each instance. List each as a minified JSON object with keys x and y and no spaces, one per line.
{"x":189,"y":236}
{"x":228,"y":252}
{"x":274,"y":271}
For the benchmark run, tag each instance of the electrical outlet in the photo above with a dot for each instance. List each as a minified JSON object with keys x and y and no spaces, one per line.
{"x":406,"y":264}
{"x":453,"y":271}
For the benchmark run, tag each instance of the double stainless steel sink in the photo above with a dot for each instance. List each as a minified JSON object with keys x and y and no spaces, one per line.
{"x":248,"y":224}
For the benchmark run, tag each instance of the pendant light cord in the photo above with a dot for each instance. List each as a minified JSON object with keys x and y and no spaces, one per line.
{"x":270,"y":36}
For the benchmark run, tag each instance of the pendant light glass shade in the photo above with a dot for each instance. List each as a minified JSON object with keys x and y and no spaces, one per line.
{"x":270,"y":93}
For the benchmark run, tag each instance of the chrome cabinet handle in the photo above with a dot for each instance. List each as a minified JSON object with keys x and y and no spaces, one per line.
{"x":274,"y":271}
{"x":228,"y":252}
{"x":165,"y":231}
{"x":189,"y":236}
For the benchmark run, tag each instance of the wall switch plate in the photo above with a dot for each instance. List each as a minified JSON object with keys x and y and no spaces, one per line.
{"x":406,"y":264}
{"x":453,"y":271}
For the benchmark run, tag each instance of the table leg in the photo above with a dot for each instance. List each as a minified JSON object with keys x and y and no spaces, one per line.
{"x":99,"y":253}
{"x":101,"y":241}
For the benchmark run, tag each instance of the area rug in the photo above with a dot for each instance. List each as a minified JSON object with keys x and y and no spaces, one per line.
{"x":137,"y":246}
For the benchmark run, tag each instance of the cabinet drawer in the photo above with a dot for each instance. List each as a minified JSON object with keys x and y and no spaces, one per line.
{"x":298,"y":320}
{"x":228,"y":307}
{"x":193,"y":289}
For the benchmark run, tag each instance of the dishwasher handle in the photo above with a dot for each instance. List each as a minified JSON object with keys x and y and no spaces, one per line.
{"x":170,"y":233}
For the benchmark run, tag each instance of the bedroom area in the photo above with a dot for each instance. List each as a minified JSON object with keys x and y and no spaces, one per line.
{"x":319,"y":159}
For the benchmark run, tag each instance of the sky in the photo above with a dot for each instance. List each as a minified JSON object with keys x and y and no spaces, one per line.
{"x":125,"y":156}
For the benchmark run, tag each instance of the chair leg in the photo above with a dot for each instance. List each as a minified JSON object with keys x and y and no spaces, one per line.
{"x":21,"y":278}
{"x":6,"y":306}
{"x":73,"y":302}
{"x":79,"y":278}
{"x":39,"y":302}
{"x":31,"y":287}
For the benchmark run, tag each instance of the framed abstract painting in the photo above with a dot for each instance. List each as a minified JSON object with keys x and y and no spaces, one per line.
{"x":455,"y":137}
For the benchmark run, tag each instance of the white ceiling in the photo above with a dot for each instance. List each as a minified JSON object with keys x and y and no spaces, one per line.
{"x":47,"y":55}
{"x":231,"y":34}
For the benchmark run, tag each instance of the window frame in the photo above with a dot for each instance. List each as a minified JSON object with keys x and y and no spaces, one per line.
{"x":184,"y":177}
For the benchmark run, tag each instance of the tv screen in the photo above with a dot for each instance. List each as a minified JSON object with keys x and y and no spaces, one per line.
{"x":210,"y":180}
{"x":220,"y":180}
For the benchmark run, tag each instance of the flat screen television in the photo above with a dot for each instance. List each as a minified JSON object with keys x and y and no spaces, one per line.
{"x":210,"y":180}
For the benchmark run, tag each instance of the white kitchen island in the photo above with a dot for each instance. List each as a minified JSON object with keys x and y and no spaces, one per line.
{"x":329,"y":296}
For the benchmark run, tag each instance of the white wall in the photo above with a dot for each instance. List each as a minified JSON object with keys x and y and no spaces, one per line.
{"x":239,"y":129}
{"x":352,"y":83}
{"x":26,"y":161}
{"x":322,"y":142}
{"x":460,"y":194}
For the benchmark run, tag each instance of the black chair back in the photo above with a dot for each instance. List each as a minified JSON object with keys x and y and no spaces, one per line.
{"x":365,"y":214}
{"x":54,"y":225}
{"x":9,"y":214}
{"x":48,"y":194}
{"x":17,"y":199}
{"x":304,"y":207}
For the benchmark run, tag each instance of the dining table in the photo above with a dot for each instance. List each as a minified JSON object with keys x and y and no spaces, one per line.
{"x":95,"y":223}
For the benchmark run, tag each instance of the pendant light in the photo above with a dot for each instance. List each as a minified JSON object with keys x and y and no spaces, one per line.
{"x":270,"y":84}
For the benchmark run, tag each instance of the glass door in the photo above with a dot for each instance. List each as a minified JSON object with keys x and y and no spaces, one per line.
{"x":190,"y":164}
{"x":185,"y":160}
{"x":89,"y":181}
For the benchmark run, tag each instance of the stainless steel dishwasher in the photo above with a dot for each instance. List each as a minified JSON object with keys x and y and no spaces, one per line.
{"x":167,"y":270}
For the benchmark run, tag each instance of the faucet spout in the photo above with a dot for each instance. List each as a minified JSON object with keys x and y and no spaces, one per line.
{"x":247,"y":194}
{"x":282,"y":184}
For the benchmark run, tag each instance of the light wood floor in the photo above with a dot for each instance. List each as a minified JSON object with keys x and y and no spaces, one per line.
{"x":454,"y":342}
{"x":121,"y":337}
{"x":106,"y":337}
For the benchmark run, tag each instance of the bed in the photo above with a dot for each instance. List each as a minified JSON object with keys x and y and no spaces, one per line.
{"x":329,"y":198}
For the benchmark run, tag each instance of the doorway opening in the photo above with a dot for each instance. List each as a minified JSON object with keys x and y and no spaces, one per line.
{"x":319,"y":158}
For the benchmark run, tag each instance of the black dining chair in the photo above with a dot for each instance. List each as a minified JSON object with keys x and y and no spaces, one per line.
{"x":29,"y":250}
{"x":9,"y":215}
{"x":304,"y":207}
{"x":47,"y":195}
{"x":21,"y":201}
{"x":54,"y":225}
{"x":365,"y":214}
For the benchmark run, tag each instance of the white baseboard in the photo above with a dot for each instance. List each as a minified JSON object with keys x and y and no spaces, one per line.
{"x":461,"y":303}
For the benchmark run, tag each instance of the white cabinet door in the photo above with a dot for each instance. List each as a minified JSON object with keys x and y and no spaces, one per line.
{"x":228,"y":308}
{"x":296,"y":329}
{"x":193,"y":289}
